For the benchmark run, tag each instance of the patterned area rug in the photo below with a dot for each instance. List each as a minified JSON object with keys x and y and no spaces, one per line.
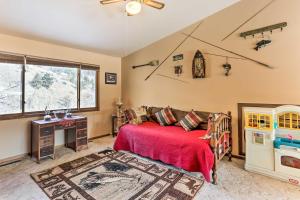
{"x":111,"y":175}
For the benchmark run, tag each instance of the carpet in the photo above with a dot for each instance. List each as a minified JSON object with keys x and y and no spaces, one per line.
{"x":111,"y":175}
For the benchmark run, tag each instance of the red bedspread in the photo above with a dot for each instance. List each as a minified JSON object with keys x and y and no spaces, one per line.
{"x":171,"y":145}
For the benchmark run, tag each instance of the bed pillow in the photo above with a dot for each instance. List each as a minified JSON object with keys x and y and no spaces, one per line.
{"x":190,"y":121}
{"x":130,"y":114}
{"x":141,"y":114}
{"x":135,"y":116}
{"x":165,"y":117}
{"x":151,"y":113}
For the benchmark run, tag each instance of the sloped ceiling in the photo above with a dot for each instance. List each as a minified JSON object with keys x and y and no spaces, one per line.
{"x":86,"y":24}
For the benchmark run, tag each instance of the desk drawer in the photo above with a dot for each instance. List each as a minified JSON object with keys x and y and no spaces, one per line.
{"x":82,"y":141}
{"x":47,"y":141}
{"x":82,"y":133}
{"x":81,"y":124}
{"x":46,"y":151}
{"x":46,"y":131}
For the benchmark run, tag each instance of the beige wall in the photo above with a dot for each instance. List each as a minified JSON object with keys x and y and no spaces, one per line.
{"x":248,"y":82}
{"x":15,"y":134}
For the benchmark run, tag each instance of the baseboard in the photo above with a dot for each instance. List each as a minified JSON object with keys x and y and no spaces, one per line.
{"x":97,"y":137}
{"x":18,"y":158}
{"x":239,"y":157}
{"x":13,"y":159}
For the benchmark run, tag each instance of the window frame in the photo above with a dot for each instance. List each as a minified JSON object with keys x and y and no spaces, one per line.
{"x":288,"y":121}
{"x":250,"y":116}
{"x":62,"y":63}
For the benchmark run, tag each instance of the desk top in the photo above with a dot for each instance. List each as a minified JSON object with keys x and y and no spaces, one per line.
{"x":55,"y":120}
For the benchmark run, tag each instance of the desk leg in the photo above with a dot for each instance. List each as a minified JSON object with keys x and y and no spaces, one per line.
{"x":113,"y":126}
{"x":66,"y":137}
{"x":31,"y":140}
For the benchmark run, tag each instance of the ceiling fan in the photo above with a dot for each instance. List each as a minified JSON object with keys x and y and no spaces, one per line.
{"x":134,"y":7}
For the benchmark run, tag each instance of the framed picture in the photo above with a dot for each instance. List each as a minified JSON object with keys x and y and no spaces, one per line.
{"x":110,"y":78}
{"x":178,"y":57}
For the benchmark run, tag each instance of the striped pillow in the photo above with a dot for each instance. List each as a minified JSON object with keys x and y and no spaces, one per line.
{"x":130,"y":114}
{"x":190,"y":121}
{"x":165,"y":117}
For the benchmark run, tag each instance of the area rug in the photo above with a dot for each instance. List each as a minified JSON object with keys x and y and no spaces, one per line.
{"x":111,"y":175}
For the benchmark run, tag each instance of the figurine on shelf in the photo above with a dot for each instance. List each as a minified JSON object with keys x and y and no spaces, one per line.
{"x":68,"y":113}
{"x":60,"y":114}
{"x":47,"y":116}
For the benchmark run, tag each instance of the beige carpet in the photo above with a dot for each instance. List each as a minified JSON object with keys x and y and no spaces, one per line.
{"x":234,"y":182}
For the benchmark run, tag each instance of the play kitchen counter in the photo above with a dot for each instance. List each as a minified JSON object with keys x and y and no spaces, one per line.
{"x":273,"y":142}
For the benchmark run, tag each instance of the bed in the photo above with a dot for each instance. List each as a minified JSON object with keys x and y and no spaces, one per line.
{"x":173,"y":145}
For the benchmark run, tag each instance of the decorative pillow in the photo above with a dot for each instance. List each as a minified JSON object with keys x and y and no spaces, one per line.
{"x":165,"y":117}
{"x":135,"y":116}
{"x":151,"y":113}
{"x":130,"y":114}
{"x":190,"y":121}
{"x":141,"y":114}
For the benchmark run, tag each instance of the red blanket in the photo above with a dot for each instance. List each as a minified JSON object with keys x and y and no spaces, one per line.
{"x":170,"y":144}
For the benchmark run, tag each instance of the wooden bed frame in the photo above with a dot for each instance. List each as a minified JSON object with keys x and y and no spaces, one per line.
{"x":219,"y":126}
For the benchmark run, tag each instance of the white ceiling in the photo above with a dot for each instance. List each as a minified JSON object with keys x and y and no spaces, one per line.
{"x":88,"y":25}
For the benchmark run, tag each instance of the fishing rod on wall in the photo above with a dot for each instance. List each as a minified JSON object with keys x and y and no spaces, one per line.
{"x":226,"y":66}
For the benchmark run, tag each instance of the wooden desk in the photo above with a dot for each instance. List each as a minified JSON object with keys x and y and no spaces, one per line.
{"x":43,"y":135}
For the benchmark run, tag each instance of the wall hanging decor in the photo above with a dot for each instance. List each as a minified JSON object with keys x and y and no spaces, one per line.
{"x":270,"y":28}
{"x":249,"y":19}
{"x":227,"y":67}
{"x":178,"y":57}
{"x":262,"y":43}
{"x":110,"y":78}
{"x":178,"y":67}
{"x":229,"y":51}
{"x":151,"y":63}
{"x":178,"y":70}
{"x":179,"y":45}
{"x":199,"y":68}
{"x":190,"y":36}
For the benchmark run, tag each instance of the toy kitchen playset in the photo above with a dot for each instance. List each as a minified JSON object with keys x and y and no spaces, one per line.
{"x":273,"y":142}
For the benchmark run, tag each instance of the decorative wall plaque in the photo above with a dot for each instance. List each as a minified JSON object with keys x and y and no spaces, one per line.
{"x":199,"y":65}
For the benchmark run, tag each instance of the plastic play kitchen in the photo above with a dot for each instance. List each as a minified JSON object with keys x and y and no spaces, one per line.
{"x":273,"y":142}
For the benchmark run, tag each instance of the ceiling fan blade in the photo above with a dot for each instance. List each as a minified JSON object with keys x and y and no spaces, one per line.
{"x":154,"y":4}
{"x":105,"y":2}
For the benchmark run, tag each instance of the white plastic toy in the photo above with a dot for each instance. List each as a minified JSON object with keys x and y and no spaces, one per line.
{"x":273,"y":142}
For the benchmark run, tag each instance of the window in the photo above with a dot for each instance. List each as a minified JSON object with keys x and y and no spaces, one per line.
{"x":251,"y":120}
{"x":259,"y":121}
{"x":50,"y":87}
{"x":265,"y":121}
{"x":10,"y":88}
{"x":11,"y":68}
{"x":289,"y":120}
{"x":87,"y":88}
{"x":45,"y":84}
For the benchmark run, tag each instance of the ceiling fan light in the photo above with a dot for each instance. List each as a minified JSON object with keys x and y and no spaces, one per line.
{"x":133,"y":7}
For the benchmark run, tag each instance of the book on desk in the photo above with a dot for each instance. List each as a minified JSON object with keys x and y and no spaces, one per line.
{"x":43,"y":135}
